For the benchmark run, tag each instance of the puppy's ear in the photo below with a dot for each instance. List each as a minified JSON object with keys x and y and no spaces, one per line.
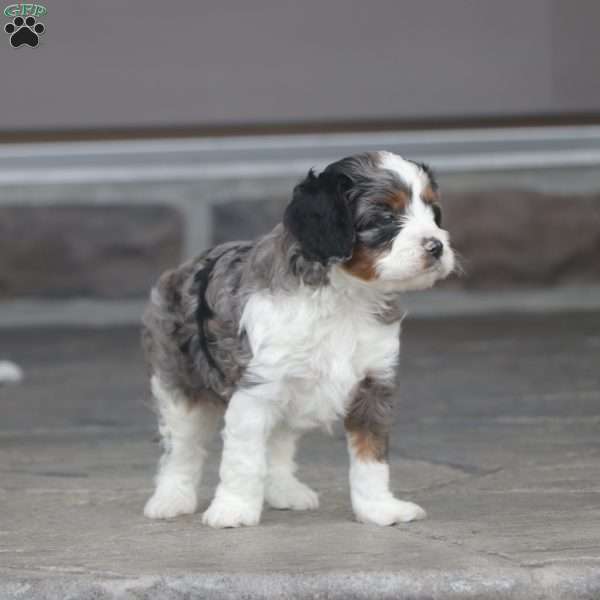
{"x":320,"y":219}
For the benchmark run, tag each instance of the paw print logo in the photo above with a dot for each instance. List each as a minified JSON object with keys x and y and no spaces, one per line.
{"x":24,"y":31}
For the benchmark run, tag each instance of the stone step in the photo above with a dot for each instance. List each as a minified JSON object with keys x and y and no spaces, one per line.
{"x":431,"y":304}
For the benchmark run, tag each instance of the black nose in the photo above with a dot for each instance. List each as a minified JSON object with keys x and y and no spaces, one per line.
{"x":433,"y":246}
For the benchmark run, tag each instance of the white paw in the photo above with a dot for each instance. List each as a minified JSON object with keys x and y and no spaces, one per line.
{"x":170,"y":502}
{"x":288,"y":492}
{"x":386,"y":511}
{"x":227,"y":510}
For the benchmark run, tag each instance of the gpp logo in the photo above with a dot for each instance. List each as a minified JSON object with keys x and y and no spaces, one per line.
{"x":25,"y":29}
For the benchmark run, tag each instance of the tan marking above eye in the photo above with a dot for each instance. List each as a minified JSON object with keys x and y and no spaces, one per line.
{"x":430,"y":196}
{"x":399,"y":201}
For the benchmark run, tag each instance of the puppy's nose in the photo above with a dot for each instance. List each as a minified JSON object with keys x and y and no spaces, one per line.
{"x":433,"y":246}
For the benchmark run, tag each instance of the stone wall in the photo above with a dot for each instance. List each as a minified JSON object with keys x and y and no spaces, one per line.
{"x":85,"y":251}
{"x":506,"y":238}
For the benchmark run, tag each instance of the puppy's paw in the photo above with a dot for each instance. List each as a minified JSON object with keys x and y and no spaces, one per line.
{"x":386,"y":511}
{"x":289,"y":493}
{"x":227,"y":510}
{"x":167,"y":503}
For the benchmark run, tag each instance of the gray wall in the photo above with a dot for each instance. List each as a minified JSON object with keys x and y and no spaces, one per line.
{"x":134,"y":63}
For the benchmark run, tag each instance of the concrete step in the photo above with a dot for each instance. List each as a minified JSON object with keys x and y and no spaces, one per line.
{"x":512,"y":514}
{"x":496,"y":436}
{"x":430,"y":304}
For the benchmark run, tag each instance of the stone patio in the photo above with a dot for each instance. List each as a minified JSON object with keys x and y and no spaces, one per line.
{"x":496,"y":436}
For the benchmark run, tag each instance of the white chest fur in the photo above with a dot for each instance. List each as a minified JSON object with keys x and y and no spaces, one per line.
{"x":313,"y":347}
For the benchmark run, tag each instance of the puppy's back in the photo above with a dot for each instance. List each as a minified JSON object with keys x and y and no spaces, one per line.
{"x":190,"y":325}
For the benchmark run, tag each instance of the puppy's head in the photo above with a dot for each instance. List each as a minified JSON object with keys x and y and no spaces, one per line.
{"x":378,"y":217}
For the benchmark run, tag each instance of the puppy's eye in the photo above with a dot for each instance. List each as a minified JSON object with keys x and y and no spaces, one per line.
{"x":437,"y":214}
{"x":376,"y":221}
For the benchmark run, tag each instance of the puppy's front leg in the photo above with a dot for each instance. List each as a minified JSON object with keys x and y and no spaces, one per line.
{"x":239,"y":497}
{"x":367,"y":429}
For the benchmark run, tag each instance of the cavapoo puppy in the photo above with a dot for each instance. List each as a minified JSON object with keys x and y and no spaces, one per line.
{"x":290,"y":332}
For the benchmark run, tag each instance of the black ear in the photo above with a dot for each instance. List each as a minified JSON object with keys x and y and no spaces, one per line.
{"x":320,"y":219}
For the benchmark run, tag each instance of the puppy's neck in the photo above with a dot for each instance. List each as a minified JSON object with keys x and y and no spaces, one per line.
{"x":350,"y":294}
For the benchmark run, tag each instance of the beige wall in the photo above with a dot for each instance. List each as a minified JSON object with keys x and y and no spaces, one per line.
{"x":134,"y":63}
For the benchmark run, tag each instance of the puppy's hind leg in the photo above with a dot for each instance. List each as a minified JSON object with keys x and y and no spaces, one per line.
{"x":186,"y":428}
{"x":282,"y":488}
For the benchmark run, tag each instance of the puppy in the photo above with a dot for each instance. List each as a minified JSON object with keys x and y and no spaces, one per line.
{"x":289,"y":333}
